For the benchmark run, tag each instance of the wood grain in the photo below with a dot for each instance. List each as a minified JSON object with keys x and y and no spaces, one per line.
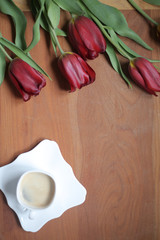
{"x":108,"y":133}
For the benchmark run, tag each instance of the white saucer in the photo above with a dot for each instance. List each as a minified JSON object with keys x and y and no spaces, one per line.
{"x":45,"y":156}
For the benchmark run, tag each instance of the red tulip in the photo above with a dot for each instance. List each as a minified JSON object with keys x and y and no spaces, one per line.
{"x":86,"y":38}
{"x":145,"y":75}
{"x":26,"y":79}
{"x":75,"y":70}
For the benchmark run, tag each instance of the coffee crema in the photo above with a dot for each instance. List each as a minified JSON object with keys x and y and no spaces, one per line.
{"x":36,"y":190}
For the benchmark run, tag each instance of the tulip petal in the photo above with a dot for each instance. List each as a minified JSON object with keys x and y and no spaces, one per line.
{"x":87,"y":69}
{"x":26,"y":79}
{"x":149,"y":73}
{"x":25,"y":95}
{"x":86,"y":37}
{"x":138,"y":79}
{"x":76,"y":41}
{"x":90,"y":34}
{"x":76,"y":71}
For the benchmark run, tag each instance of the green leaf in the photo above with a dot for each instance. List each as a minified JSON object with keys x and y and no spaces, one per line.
{"x":127,"y":49}
{"x":69,"y":5}
{"x":53,"y":12}
{"x":112,"y":17}
{"x":20,"y":53}
{"x":116,"y":42}
{"x":36,"y":28}
{"x":35,"y":9}
{"x":2,"y":66}
{"x":122,"y":47}
{"x":60,"y":32}
{"x":49,"y":20}
{"x":83,"y":7}
{"x":115,"y":62}
{"x":9,"y":8}
{"x":154,"y":2}
{"x":143,"y":13}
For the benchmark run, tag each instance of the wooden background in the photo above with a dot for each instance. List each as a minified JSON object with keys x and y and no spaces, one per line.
{"x":108,"y":133}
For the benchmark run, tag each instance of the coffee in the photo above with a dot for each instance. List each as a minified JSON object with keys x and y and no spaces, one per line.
{"x":36,"y":190}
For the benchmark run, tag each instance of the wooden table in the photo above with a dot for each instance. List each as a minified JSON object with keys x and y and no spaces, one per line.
{"x":108,"y":133}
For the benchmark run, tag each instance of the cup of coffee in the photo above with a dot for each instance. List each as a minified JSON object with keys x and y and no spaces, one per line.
{"x":35,"y":191}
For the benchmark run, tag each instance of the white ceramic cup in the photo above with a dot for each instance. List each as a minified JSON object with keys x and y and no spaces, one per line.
{"x":35,"y":191}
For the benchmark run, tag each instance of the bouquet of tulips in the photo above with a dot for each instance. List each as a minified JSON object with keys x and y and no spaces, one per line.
{"x":94,"y":28}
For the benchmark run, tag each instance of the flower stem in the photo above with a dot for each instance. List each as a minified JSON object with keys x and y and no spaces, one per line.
{"x":6,"y":54}
{"x":57,"y":42}
{"x":144,"y":14}
{"x":53,"y":35}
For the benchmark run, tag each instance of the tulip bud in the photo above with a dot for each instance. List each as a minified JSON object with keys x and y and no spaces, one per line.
{"x":26,"y":79}
{"x":75,"y":70}
{"x":145,"y":75}
{"x":86,"y":38}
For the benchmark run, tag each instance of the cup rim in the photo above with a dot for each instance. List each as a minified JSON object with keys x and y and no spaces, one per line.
{"x":18,"y":186}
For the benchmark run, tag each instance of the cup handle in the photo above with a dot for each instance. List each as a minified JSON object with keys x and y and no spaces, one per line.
{"x":31,"y":214}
